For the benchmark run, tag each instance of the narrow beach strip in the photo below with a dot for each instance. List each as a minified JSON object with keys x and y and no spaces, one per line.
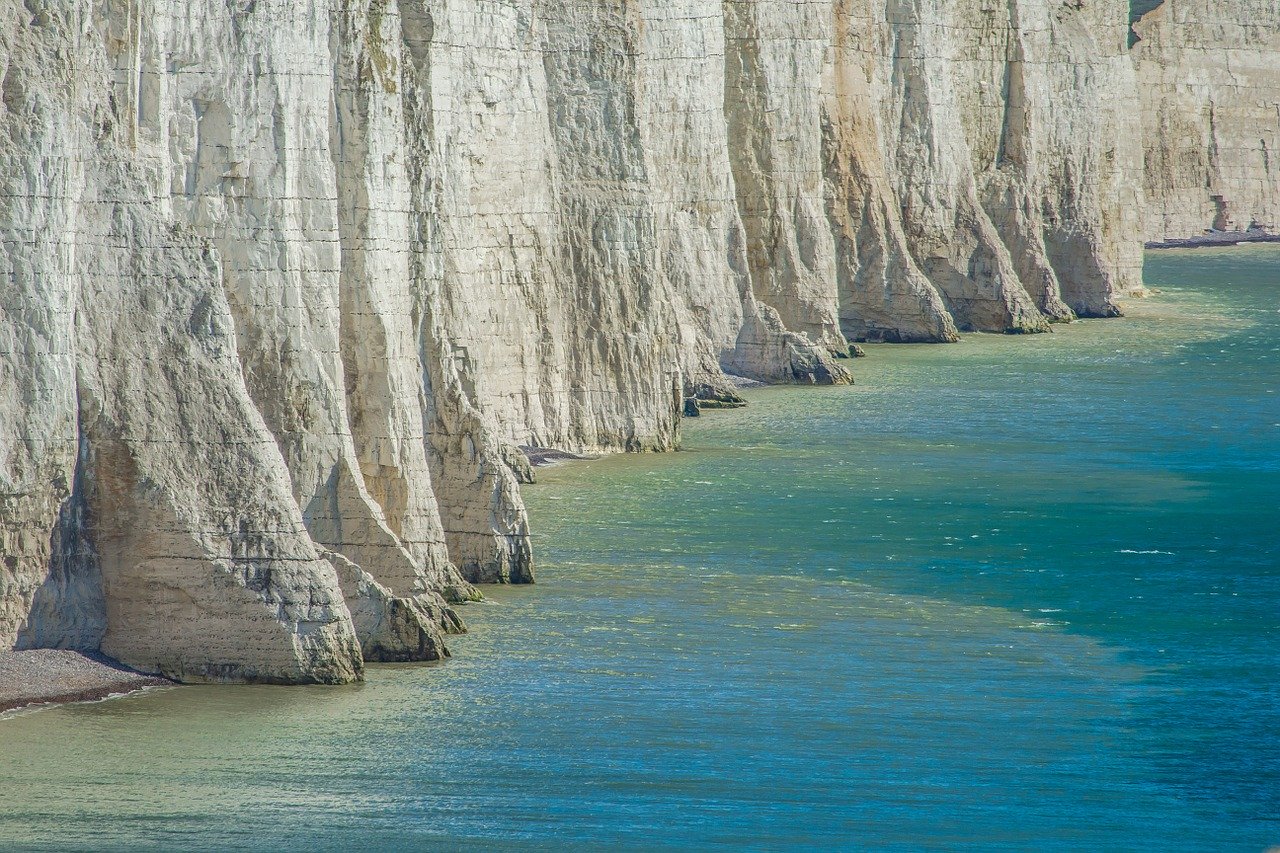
{"x":1214,"y":239}
{"x":48,"y":676}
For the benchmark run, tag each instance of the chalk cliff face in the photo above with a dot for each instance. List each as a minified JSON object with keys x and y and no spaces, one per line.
{"x":1210,"y":77}
{"x":285,"y":285}
{"x":1008,"y":142}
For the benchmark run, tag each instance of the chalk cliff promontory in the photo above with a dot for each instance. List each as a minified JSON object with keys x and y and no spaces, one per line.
{"x":284,"y":285}
{"x":1209,"y":73}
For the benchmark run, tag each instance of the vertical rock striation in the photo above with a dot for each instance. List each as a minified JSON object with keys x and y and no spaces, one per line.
{"x":284,"y":286}
{"x":1007,"y":138}
{"x":1210,"y":80}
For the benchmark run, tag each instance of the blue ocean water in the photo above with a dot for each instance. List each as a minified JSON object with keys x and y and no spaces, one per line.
{"x":1012,"y":594}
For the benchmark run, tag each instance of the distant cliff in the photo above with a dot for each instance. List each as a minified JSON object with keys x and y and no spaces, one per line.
{"x":285,"y":285}
{"x":1209,"y":74}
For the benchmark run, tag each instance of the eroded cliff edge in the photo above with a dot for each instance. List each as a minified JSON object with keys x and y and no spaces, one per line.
{"x":1209,"y":74}
{"x":285,"y":285}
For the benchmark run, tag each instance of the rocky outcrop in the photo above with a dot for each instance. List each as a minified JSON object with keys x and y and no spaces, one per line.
{"x":1014,"y":165}
{"x":285,"y":285}
{"x":1209,"y":74}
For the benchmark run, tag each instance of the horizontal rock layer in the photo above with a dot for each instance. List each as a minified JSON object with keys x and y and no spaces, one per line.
{"x":285,"y":285}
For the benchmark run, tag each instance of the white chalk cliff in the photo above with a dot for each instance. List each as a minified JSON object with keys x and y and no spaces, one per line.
{"x":284,"y":286}
{"x":1209,"y":72}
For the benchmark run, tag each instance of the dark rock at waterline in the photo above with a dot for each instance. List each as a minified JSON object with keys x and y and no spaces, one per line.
{"x":705,"y":392}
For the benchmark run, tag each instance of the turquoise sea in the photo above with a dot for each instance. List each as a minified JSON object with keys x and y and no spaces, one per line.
{"x":1012,"y":594}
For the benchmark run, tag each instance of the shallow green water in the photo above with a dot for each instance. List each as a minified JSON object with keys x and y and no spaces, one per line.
{"x":1017,"y":593}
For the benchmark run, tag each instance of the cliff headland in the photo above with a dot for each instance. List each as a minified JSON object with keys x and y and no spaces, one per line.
{"x":286,"y":286}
